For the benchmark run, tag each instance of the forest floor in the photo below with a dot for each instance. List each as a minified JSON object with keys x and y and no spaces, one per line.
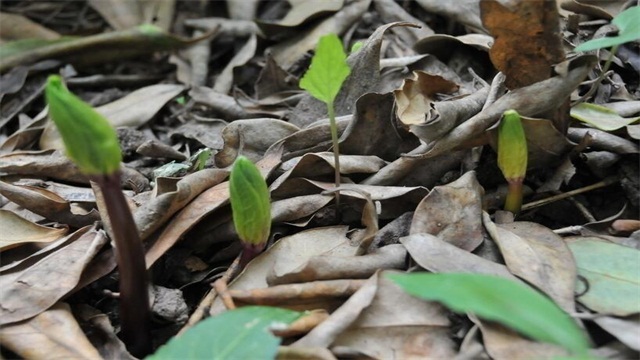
{"x":421,"y":187}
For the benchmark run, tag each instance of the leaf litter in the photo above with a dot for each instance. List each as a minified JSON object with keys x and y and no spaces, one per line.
{"x":416,"y":119}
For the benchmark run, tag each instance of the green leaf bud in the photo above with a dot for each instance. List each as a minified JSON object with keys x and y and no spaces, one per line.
{"x":90,"y":141}
{"x":512,"y":147}
{"x":250,"y":203}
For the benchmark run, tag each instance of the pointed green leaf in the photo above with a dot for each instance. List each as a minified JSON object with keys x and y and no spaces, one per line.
{"x":328,"y":70}
{"x":628,"y":24}
{"x":600,"y":117}
{"x":237,"y":334}
{"x":89,"y":139}
{"x":512,"y":146}
{"x":249,"y":202}
{"x":493,"y":298}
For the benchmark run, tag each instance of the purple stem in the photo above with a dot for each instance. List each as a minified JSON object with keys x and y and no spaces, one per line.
{"x":135,"y":316}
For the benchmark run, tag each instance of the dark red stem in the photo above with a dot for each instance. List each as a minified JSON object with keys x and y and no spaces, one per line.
{"x":135,"y":316}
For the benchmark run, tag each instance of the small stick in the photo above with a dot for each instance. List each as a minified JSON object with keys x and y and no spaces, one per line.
{"x":606,"y":182}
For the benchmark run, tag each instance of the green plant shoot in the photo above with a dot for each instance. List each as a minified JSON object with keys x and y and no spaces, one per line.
{"x":628,"y":30}
{"x":323,"y":81}
{"x":250,"y":206}
{"x":512,"y":157}
{"x":89,"y":139}
{"x":92,"y":144}
{"x":497,"y":299}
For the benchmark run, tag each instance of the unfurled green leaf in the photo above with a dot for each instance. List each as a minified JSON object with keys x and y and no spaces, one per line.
{"x":512,"y":146}
{"x":328,"y":70}
{"x":249,"y":202}
{"x":600,"y":117}
{"x":237,"y":334}
{"x":497,"y":299}
{"x":89,"y":139}
{"x":628,"y":23}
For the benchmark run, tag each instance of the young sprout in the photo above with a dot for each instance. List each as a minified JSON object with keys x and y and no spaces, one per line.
{"x":92,"y":144}
{"x":512,"y":157}
{"x":250,"y":206}
{"x":323,"y":81}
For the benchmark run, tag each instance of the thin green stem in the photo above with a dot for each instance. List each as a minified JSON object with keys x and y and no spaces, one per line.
{"x":336,"y":150}
{"x":135,"y":316}
{"x":513,"y":201}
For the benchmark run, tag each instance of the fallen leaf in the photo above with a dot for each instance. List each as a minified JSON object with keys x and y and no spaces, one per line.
{"x":453,"y":213}
{"x":17,"y":231}
{"x":436,"y":255}
{"x":536,"y":254}
{"x":600,"y":117}
{"x":30,"y":292}
{"x":611,"y":273}
{"x":132,"y":110}
{"x":52,"y":334}
{"x":417,"y":329}
{"x":523,"y":62}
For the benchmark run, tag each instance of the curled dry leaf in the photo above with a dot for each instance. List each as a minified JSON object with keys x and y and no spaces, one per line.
{"x":417,"y":329}
{"x":343,"y":267}
{"x":549,"y":94}
{"x":536,"y":254}
{"x":17,"y":231}
{"x":288,"y":254}
{"x":373,"y":130}
{"x":452,"y":212}
{"x":251,"y":138}
{"x":224,"y":81}
{"x":288,"y":52}
{"x":53,"y":164}
{"x":466,"y":12}
{"x":503,"y":343}
{"x":340,"y":320}
{"x":54,"y":333}
{"x":301,"y":11}
{"x":436,"y":255}
{"x":93,"y":49}
{"x":46,"y":203}
{"x":530,"y":61}
{"x":31,"y":291}
{"x":132,"y":110}
{"x":152,"y":214}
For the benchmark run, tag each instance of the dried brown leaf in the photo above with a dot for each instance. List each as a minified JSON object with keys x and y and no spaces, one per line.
{"x":17,"y":231}
{"x":453,"y":213}
{"x":31,"y":291}
{"x":536,"y":254}
{"x":523,"y":62}
{"x":53,"y":334}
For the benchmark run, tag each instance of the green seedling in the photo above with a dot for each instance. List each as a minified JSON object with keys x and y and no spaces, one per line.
{"x":323,"y":81}
{"x":512,"y":157}
{"x":628,"y":30}
{"x":92,"y":144}
{"x":493,"y":298}
{"x":250,"y":206}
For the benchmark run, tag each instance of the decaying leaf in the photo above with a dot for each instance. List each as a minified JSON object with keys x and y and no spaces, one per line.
{"x":530,"y":61}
